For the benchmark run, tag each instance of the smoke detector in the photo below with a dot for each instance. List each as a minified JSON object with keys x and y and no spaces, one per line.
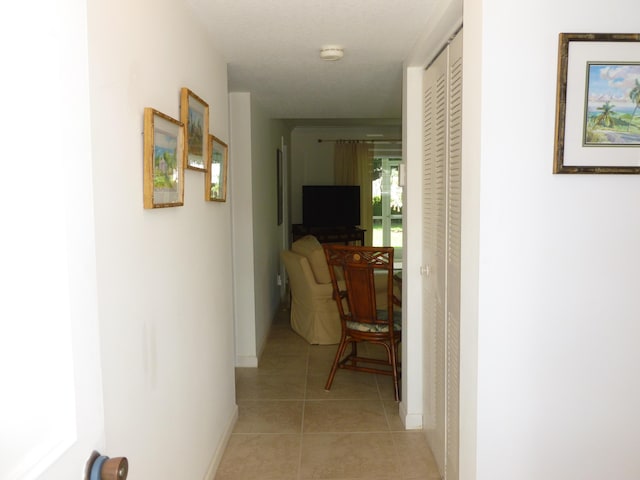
{"x":331,"y":53}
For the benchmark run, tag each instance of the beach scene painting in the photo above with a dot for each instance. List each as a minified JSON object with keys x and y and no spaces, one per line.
{"x":612,"y":106}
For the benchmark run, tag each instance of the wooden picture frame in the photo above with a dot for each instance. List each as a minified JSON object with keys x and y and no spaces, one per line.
{"x":163,"y":165}
{"x":598,"y":104}
{"x":279,"y":186}
{"x":216,"y":177}
{"x":194,"y":113}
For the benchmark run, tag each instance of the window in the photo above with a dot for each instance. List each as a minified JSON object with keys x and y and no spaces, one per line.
{"x":387,"y":204}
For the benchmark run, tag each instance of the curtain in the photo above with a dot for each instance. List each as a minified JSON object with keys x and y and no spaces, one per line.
{"x":353,"y":164}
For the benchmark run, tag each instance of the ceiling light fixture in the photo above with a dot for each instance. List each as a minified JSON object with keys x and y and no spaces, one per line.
{"x":331,"y":53}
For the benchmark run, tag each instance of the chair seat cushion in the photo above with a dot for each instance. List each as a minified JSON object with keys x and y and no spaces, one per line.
{"x":378,"y":327}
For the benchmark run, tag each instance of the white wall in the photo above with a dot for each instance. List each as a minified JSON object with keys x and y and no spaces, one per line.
{"x":267,"y":135}
{"x":413,"y":390}
{"x":311,"y":164}
{"x":470,"y":231}
{"x":164,"y":289}
{"x":557,"y":265}
{"x":257,"y":237}
{"x":242,"y":212}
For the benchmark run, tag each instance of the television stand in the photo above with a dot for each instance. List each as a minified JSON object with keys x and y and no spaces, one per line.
{"x":329,"y":234}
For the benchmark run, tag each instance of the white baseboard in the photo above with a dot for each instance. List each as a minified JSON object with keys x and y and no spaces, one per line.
{"x":250,"y":361}
{"x":411,"y":421}
{"x":217,"y":457}
{"x":247,"y":362}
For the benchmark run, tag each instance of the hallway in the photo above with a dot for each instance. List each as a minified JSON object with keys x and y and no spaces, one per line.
{"x":290,"y":428}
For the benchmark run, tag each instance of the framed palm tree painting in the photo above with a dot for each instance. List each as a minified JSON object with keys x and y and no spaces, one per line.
{"x":598,"y":104}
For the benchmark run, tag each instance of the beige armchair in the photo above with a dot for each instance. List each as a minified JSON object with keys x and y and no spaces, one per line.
{"x":314,"y":313}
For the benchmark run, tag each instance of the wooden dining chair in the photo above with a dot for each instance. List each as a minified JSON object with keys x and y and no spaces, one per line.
{"x":352,"y":270}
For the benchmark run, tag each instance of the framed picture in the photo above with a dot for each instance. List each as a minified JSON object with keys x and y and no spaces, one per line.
{"x":216,"y":176}
{"x":598,"y":103}
{"x":279,"y":187}
{"x":163,"y":166}
{"x":194,"y":113}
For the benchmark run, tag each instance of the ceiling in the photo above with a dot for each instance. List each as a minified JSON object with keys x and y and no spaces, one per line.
{"x":272,"y":48}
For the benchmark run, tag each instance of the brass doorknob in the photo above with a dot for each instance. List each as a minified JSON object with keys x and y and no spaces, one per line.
{"x":100,"y":467}
{"x":115,"y":469}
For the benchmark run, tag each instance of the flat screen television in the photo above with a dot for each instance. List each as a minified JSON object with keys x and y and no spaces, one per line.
{"x":330,"y":205}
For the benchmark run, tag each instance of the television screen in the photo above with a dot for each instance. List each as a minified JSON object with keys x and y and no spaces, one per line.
{"x":331,"y":205}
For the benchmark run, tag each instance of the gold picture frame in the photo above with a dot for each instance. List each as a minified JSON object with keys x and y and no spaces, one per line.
{"x":194,"y":113}
{"x":279,"y":186}
{"x":217,"y":168}
{"x":598,"y":85}
{"x":163,"y":165}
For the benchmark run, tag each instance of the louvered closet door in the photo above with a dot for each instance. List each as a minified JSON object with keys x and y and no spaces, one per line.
{"x":454,"y":187}
{"x":442,"y":183}
{"x":435,"y":93}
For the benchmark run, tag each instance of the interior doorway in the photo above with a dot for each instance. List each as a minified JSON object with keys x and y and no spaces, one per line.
{"x":386,"y":197}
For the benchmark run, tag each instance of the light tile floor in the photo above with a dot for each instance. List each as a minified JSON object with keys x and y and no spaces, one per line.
{"x":289,"y":427}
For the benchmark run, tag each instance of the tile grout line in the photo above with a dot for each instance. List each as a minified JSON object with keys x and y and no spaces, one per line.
{"x":384,"y":407}
{"x":304,"y":404}
{"x":389,"y":428}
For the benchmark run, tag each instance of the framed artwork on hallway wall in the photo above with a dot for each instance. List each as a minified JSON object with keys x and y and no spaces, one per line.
{"x":598,"y":103}
{"x":279,"y":186}
{"x":194,"y":113}
{"x":216,"y":176}
{"x":163,"y":160}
